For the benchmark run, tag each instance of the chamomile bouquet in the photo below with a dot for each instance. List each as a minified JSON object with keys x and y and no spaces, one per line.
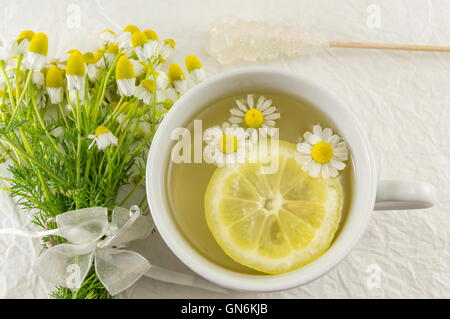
{"x":76,"y":129}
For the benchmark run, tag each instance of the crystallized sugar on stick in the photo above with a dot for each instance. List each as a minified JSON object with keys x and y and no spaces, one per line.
{"x":232,"y":38}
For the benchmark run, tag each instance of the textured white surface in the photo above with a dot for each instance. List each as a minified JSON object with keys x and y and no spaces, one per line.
{"x":402,"y":99}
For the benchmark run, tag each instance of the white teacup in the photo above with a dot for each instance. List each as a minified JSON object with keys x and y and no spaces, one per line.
{"x":368,"y":192}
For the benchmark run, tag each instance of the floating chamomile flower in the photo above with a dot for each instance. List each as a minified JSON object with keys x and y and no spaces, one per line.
{"x":91,"y":68}
{"x":108,"y":37}
{"x":226,"y":145}
{"x":55,"y":85}
{"x":152,"y":41}
{"x":125,"y":76}
{"x":195,"y":69}
{"x":20,"y":45}
{"x":177,"y":79}
{"x":140,"y":45}
{"x":103,"y":138}
{"x":166,"y":48}
{"x":75,"y":73}
{"x":144,"y":91}
{"x":322,"y":154}
{"x":36,"y":55}
{"x":124,"y":38}
{"x":261,"y":115}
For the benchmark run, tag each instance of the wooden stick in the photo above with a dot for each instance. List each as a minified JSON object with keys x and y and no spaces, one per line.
{"x":386,"y":46}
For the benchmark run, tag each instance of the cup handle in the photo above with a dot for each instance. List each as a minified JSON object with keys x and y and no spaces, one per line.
{"x":397,"y":194}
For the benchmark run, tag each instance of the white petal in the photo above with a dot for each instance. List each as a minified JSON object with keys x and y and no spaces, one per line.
{"x":265,"y":105}
{"x":250,"y":102}
{"x":273,"y":116}
{"x":241,"y":105}
{"x":317,"y":130}
{"x":261,"y":101}
{"x":325,"y":171}
{"x":315,"y":170}
{"x":304,"y":148}
{"x":235,"y":120}
{"x":306,"y":166}
{"x":337,"y":164}
{"x":333,"y":140}
{"x":326,"y":134}
{"x":333,"y":172}
{"x":236,"y":112}
{"x":270,"y":110}
{"x":269,"y":123}
{"x":311,"y":138}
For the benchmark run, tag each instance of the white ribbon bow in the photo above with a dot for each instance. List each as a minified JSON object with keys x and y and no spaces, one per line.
{"x":68,"y":264}
{"x":93,"y":239}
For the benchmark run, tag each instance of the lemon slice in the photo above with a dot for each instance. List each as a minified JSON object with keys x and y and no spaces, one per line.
{"x":272,"y":221}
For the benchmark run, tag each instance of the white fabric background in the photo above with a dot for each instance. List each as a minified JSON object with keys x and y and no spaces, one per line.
{"x":401,"y":98}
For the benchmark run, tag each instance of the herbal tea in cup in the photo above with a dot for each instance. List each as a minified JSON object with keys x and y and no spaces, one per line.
{"x":259,"y":182}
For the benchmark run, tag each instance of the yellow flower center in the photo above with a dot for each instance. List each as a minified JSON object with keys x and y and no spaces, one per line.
{"x":75,"y":64}
{"x":54,"y":77}
{"x":98,"y":55}
{"x":109,"y":31}
{"x":131,"y":28}
{"x":89,"y":58}
{"x":26,"y":34}
{"x":170,"y":42}
{"x":149,"y":85}
{"x":228,"y":143}
{"x":151,"y":35}
{"x":124,"y":69}
{"x":254,"y":118}
{"x":192,"y":63}
{"x":39,"y":44}
{"x":176,"y":73}
{"x":322,"y":152}
{"x":112,"y":48}
{"x":125,"y":107}
{"x":101,"y":130}
{"x":138,"y":39}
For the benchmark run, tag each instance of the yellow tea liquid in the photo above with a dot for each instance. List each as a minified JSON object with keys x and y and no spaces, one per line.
{"x":186,"y":182}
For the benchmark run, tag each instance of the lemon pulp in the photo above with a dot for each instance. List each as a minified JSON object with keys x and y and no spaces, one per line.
{"x":273,"y":222}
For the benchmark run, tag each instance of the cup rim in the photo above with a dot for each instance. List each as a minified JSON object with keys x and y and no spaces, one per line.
{"x":363,"y":199}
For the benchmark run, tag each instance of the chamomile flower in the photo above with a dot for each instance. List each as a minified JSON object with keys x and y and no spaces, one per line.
{"x":125,"y":76}
{"x":107,"y":37}
{"x":36,"y":55}
{"x":144,"y":91}
{"x":166,"y":48}
{"x":140,"y":45}
{"x":91,"y":68}
{"x":103,"y":138}
{"x":195,"y":69}
{"x":322,"y":153}
{"x":177,"y":79}
{"x":162,"y":80}
{"x":75,"y":74}
{"x":20,"y":45}
{"x":138,"y":67}
{"x":226,"y":145}
{"x":124,"y":109}
{"x":105,"y":59}
{"x":152,"y":42}
{"x":38,"y":78}
{"x":55,"y":85}
{"x":124,"y":39}
{"x":260,"y":115}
